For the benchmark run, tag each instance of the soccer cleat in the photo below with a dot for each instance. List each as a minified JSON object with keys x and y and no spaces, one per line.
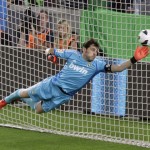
{"x":2,"y":103}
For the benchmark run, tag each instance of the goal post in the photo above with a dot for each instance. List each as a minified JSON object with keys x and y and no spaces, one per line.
{"x":22,"y":67}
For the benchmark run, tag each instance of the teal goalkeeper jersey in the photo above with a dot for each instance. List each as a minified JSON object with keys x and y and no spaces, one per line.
{"x":77,"y":71}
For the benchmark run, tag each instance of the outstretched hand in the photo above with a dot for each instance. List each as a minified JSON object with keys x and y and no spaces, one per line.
{"x":141,"y":52}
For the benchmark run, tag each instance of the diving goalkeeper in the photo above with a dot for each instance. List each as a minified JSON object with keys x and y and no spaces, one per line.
{"x":79,"y":69}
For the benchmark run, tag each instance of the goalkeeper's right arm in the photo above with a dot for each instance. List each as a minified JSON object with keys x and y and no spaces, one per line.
{"x":49,"y":52}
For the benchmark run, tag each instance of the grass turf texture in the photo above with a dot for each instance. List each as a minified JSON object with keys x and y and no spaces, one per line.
{"x":67,"y":121}
{"x":16,"y":139}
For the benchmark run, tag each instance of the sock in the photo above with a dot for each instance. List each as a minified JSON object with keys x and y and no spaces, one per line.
{"x":15,"y":95}
{"x":29,"y":101}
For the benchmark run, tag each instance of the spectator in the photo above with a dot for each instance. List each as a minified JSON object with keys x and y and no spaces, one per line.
{"x":25,"y":28}
{"x":42,"y":37}
{"x":64,"y":38}
{"x":34,"y":31}
{"x":23,"y":34}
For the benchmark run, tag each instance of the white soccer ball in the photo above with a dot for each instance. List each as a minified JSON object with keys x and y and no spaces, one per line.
{"x":144,"y":37}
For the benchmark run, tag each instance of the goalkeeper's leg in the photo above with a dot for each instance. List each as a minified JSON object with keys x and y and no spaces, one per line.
{"x":18,"y":94}
{"x":30,"y":102}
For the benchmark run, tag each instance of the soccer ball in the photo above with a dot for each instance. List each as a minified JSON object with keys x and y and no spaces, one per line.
{"x":144,"y":37}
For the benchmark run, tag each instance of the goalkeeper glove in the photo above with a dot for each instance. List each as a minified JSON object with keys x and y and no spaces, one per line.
{"x":140,"y":53}
{"x":50,"y":57}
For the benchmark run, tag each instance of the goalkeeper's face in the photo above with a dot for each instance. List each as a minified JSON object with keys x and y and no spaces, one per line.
{"x":90,"y":53}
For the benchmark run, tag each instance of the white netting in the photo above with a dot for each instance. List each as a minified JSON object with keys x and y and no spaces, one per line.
{"x":29,"y":27}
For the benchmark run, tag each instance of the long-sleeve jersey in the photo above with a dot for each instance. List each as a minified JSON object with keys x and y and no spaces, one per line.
{"x":77,"y":71}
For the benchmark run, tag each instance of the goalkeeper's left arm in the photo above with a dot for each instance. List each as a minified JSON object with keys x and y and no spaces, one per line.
{"x":140,"y":53}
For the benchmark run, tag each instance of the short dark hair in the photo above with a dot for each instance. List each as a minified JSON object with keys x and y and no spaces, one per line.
{"x":91,"y":42}
{"x":44,"y":11}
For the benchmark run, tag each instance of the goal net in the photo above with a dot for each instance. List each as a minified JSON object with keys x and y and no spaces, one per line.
{"x":111,"y":107}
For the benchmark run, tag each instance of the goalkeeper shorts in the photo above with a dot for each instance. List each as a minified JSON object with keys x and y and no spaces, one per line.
{"x":51,"y":95}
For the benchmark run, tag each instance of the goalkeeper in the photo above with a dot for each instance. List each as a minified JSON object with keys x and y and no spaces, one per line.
{"x":79,"y":69}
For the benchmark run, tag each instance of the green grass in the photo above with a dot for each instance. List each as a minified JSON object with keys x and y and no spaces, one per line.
{"x":16,"y":139}
{"x":80,"y":123}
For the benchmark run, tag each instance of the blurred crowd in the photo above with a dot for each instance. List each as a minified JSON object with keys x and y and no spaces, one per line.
{"x":34,"y":30}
